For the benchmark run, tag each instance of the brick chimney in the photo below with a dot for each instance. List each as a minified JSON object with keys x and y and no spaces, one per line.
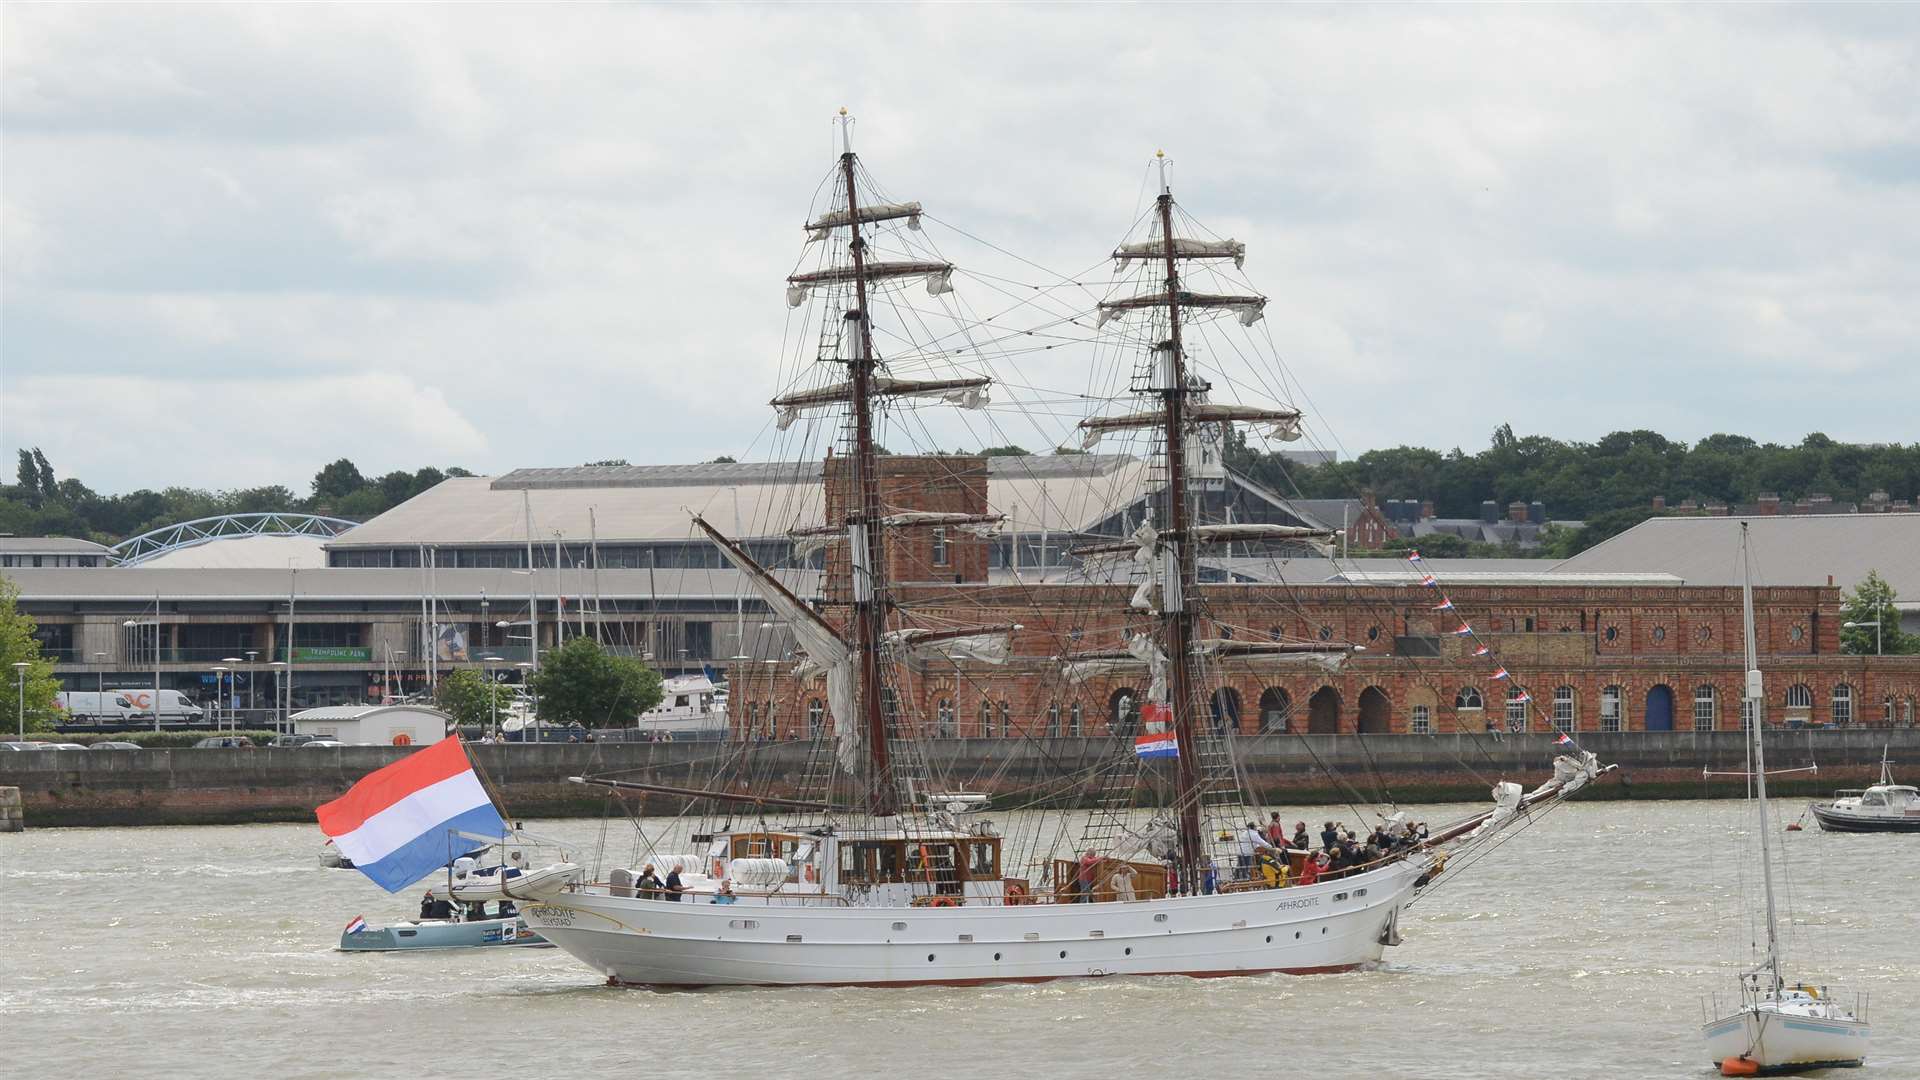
{"x":1516,"y":511}
{"x":1659,"y":502}
{"x":1769,"y":503}
{"x":1426,"y":509}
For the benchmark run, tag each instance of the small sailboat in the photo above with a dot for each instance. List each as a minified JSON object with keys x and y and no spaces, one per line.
{"x":1770,"y":1026}
{"x":1884,"y":807}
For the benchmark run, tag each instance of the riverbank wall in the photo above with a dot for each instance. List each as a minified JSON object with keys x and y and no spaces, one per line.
{"x":221,"y":786}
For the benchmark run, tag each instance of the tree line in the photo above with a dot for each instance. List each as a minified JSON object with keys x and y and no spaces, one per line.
{"x":40,"y":503}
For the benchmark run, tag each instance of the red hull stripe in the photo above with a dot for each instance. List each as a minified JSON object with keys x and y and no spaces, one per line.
{"x":1335,"y":969}
{"x":382,"y":788}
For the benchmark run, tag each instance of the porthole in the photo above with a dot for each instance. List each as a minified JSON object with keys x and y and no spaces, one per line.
{"x":966,"y":937}
{"x":929,"y":958}
{"x":1326,"y":633}
{"x":996,"y":956}
{"x":1162,"y":917}
{"x":1296,"y":934}
{"x":1659,"y":633}
{"x":1359,"y":892}
{"x":1129,"y":950}
{"x":899,"y":926}
{"x":1063,"y":954}
{"x":1323,"y":929}
{"x":793,"y":939}
{"x":1269,"y":939}
{"x":1611,"y":633}
{"x":1373,"y":633}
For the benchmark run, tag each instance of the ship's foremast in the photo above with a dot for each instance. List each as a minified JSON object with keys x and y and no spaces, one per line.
{"x":868,"y":625}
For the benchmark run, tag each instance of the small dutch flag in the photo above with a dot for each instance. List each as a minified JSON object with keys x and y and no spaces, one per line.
{"x":1563,"y":740}
{"x":1463,"y":630}
{"x":1430,"y":582}
{"x":358,"y":924}
{"x":1445,"y":604}
{"x":1501,"y":674}
{"x":1413,"y":556}
{"x":1482,"y":651}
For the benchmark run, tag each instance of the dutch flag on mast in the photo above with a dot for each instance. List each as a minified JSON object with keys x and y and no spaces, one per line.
{"x":403,"y":822}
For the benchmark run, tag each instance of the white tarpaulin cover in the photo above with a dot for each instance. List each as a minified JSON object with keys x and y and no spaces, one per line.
{"x":820,"y":227}
{"x":1183,"y":248}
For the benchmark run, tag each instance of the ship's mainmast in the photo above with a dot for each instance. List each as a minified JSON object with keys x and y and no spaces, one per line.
{"x":1177,"y":633}
{"x":864,"y":533}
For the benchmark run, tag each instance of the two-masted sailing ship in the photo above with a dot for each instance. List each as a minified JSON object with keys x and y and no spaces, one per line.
{"x":877,"y":874}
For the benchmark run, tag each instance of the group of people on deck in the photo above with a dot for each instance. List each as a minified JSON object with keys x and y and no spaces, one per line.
{"x":651,"y":886}
{"x":1263,"y":852}
{"x":440,"y":909}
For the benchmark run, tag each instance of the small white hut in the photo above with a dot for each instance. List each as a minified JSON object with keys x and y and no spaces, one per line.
{"x":374,"y":725}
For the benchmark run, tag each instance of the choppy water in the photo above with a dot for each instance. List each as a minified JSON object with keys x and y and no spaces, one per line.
{"x":1580,"y":949}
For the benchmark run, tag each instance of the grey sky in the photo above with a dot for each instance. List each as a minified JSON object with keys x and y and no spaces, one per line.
{"x":241,"y":241}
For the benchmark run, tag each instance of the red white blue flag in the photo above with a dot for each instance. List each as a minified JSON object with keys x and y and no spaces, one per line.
{"x":1482,"y":651}
{"x":1157,"y":744}
{"x":403,"y":822}
{"x":1445,"y":604}
{"x":1430,"y":582}
{"x":1500,"y":674}
{"x":358,"y":924}
{"x":1463,"y":630}
{"x":1413,"y":556}
{"x":1563,"y":740}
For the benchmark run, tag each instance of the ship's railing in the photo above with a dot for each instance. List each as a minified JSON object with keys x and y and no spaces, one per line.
{"x":605,"y":888}
{"x":1753,"y":991}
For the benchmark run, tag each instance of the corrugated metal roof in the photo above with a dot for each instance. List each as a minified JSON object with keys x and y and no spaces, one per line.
{"x":1789,"y":550}
{"x":49,"y":545}
{"x":139,"y":583}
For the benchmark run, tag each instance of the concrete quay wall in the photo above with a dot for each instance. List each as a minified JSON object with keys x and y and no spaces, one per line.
{"x":172,"y":787}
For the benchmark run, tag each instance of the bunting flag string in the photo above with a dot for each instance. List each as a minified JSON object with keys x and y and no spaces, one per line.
{"x":1515,"y":692}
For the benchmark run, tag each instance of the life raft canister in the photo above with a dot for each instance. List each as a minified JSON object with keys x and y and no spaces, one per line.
{"x":1016,"y":893}
{"x":943,"y":901}
{"x":403,"y":739}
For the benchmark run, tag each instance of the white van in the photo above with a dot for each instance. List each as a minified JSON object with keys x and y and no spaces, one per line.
{"x":175,"y":707}
{"x":94,"y":707}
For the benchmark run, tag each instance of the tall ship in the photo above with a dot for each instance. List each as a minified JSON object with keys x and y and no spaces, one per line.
{"x":876,"y":867}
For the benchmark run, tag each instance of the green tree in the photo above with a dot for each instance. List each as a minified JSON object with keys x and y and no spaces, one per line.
{"x":580,"y":683}
{"x":1009,"y":450}
{"x":471,"y":698}
{"x":18,"y":645}
{"x":1872,"y":601}
{"x":337,"y":481}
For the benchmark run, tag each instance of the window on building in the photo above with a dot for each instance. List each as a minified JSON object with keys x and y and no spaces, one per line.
{"x":1516,"y":709}
{"x":1886,"y":710}
{"x":1421,"y":722}
{"x":1610,"y":699}
{"x":816,"y":717}
{"x":986,"y":719}
{"x":698,"y":640}
{"x":1006,"y":719}
{"x":1078,"y":717}
{"x":943,"y":719}
{"x":1842,"y":705}
{"x":1276,"y":709}
{"x":940,"y":557}
{"x":1468,"y":698}
{"x":753,"y":718}
{"x":1563,"y":708}
{"x":1053,"y":719}
{"x":1704,"y":708}
{"x":1799,"y":696}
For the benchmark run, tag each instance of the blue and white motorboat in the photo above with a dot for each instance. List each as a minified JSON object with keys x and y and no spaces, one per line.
{"x":509,"y":933}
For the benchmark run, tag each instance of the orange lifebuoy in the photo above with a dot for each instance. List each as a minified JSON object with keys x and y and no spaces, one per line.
{"x":943,"y":901}
{"x":1016,"y":893}
{"x":403,"y":739}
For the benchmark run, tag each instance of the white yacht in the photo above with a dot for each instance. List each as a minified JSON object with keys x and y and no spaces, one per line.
{"x":691,"y":707}
{"x":1884,"y":807}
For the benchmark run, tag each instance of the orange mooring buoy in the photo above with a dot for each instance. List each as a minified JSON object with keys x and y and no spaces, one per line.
{"x":1794,"y":827}
{"x":1735,"y":1066}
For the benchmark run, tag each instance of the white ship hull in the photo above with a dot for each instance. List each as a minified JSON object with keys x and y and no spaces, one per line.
{"x":1332,"y":926}
{"x":1789,"y":1039}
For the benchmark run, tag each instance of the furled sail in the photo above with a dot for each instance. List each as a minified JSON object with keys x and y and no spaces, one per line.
{"x":1249,"y":309}
{"x":1141,"y":654}
{"x":819,"y":228}
{"x":1282,"y":424}
{"x":985,"y":644}
{"x":939,"y":277}
{"x":964,"y":393}
{"x":815,"y":538}
{"x":826,"y":651}
{"x":1320,"y":655}
{"x":1183,"y":248}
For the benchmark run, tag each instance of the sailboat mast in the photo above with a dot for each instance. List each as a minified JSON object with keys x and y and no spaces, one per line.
{"x":1754,"y":699}
{"x":1178,"y":629}
{"x":864,"y":540}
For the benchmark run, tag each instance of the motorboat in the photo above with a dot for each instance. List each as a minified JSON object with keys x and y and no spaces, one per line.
{"x":471,"y":883}
{"x":1884,"y":807}
{"x":691,"y":707}
{"x":1773,"y":1026}
{"x":416,"y":934}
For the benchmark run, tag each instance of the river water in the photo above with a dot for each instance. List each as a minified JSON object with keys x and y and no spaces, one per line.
{"x":1581,"y":948}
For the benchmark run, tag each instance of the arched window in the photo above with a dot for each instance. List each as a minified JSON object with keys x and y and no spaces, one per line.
{"x":1563,"y":708}
{"x":1516,"y":709}
{"x":1123,"y":712}
{"x":943,"y":719}
{"x":816,"y":717}
{"x":1610,"y":698}
{"x":1886,"y":711}
{"x":1276,"y":709}
{"x":773,"y":726}
{"x":1842,"y":704}
{"x":1053,"y":719}
{"x":1226,"y":711}
{"x":1704,"y":708}
{"x":1799,"y":696}
{"x":986,"y":719}
{"x":1421,"y":721}
{"x":1467,"y":698}
{"x":1078,"y":717}
{"x":1006,"y":720}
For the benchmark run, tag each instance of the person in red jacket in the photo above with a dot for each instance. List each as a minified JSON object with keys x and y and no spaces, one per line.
{"x":1310,"y":872}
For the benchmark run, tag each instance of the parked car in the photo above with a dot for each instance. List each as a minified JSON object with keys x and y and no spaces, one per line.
{"x":63,"y":746}
{"x":322,"y":743}
{"x":291,"y":740}
{"x":214,"y":742}
{"x":114,"y":746}
{"x":6,"y":746}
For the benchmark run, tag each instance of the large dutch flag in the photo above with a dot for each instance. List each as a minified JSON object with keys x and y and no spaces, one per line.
{"x":1162,"y":744}
{"x":405,"y":821}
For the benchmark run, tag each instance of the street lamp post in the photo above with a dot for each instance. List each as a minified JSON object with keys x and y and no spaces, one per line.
{"x":1876,"y":632}
{"x":253,"y":676}
{"x":100,"y":684}
{"x":219,"y":680}
{"x":493,"y":694}
{"x":279,"y":674}
{"x":233,"y":690}
{"x":20,"y":667}
{"x":526,"y":678}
